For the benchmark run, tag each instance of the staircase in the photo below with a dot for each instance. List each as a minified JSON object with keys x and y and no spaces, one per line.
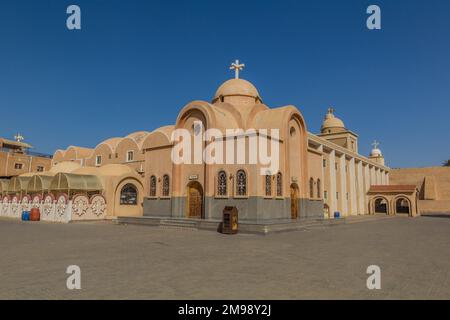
{"x":178,"y":224}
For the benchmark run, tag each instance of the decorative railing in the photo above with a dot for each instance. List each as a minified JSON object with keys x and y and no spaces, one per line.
{"x":56,"y":208}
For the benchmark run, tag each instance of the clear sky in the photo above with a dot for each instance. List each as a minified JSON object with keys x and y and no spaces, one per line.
{"x":136,"y":63}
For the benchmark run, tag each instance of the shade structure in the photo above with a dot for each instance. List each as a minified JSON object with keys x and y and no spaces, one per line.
{"x":70,"y":182}
{"x":3,"y":186}
{"x":18,"y":185}
{"x":39,"y":184}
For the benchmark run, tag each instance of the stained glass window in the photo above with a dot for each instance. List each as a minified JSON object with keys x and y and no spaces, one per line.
{"x":319,"y":191}
{"x":128,"y":195}
{"x":311,"y":188}
{"x":241,"y":186}
{"x":152,"y":186}
{"x":222,"y":183}
{"x":268,"y":186}
{"x":279,"y":185}
{"x":166,"y":186}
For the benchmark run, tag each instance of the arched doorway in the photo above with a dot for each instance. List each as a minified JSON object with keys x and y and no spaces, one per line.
{"x":381,"y":206}
{"x":194,"y":200}
{"x":402,"y":206}
{"x":326,"y":211}
{"x":294,"y":201}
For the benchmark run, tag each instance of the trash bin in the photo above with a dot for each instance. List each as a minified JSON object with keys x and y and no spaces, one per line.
{"x":337,"y":215}
{"x":230,"y":220}
{"x":35,"y":214}
{"x":26,"y":216}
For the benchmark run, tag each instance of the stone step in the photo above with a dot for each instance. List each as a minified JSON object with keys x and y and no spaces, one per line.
{"x":178,"y":224}
{"x":244,"y":227}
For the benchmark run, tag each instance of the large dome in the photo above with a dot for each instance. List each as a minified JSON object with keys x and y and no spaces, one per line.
{"x":331,"y":123}
{"x":237,"y":87}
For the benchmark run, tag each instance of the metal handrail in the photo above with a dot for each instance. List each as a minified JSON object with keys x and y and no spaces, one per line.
{"x":26,"y":152}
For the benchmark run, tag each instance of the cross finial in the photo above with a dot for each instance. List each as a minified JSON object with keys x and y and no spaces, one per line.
{"x":331,"y":110}
{"x":375,"y":144}
{"x":19,"y":138}
{"x":237,"y":67}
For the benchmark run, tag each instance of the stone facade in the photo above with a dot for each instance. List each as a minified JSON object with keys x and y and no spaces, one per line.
{"x":317,"y":174}
{"x":433,"y":184}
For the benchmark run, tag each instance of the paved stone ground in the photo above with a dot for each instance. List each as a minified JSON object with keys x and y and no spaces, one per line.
{"x":125,"y":262}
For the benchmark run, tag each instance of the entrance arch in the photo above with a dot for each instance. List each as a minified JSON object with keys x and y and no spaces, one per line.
{"x":402,"y":206}
{"x":294,"y":201}
{"x":326,"y":211}
{"x":381,"y":205}
{"x":194,"y":206}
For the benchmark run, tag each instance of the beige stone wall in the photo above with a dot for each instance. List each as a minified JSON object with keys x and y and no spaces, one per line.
{"x":433,"y":184}
{"x":434,"y":206}
{"x":108,"y":156}
{"x":316,"y":173}
{"x":158,"y":163}
{"x":125,"y":146}
{"x":439,"y":176}
{"x":29,"y":163}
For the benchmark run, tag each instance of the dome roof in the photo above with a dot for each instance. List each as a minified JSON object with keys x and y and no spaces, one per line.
{"x":375,"y":153}
{"x":115,"y":170}
{"x":111,"y":143}
{"x":65,"y":167}
{"x":331,"y":122}
{"x":138,"y":136}
{"x":237,"y":87}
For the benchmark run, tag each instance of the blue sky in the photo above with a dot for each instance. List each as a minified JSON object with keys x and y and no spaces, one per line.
{"x":135,"y":64}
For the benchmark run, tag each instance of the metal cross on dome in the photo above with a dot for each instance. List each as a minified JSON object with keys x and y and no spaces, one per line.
{"x":19,"y":138}
{"x":375,"y":144}
{"x":237,"y":67}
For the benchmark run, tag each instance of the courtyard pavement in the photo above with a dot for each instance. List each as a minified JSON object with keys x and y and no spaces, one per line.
{"x":140,"y":262}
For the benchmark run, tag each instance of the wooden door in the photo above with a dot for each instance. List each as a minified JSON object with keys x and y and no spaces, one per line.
{"x":294,"y":202}
{"x":195,"y":200}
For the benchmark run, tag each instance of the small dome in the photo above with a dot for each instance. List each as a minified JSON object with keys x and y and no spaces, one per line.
{"x":376,"y":153}
{"x":331,"y":122}
{"x":237,"y":87}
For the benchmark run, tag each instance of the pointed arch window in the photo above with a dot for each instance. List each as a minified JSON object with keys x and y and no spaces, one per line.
{"x":268,"y":185}
{"x":319,"y":189}
{"x":241,"y":183}
{"x":166,"y":186}
{"x":311,"y":188}
{"x":222,"y":183}
{"x":279,"y":184}
{"x":152,"y":186}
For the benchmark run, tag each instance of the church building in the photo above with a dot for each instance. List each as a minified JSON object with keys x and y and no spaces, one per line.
{"x":317,"y":175}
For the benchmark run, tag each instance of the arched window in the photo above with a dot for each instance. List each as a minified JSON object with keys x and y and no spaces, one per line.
{"x":128,"y":195}
{"x":268,"y":185}
{"x":279,"y":185}
{"x":319,"y":189}
{"x":152,"y":186}
{"x":311,"y":188}
{"x":222,"y":183}
{"x":241,"y":185}
{"x":166,"y":186}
